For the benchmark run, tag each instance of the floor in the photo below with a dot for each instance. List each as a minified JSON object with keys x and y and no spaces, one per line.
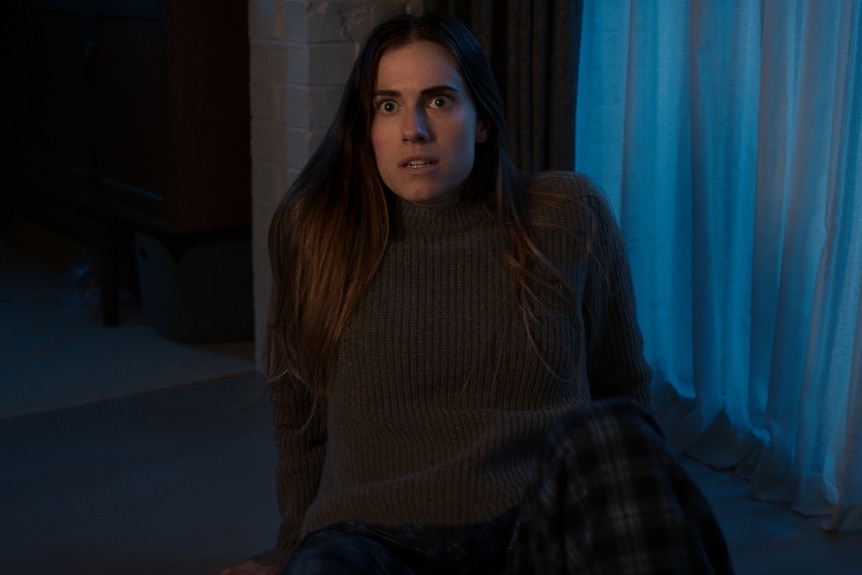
{"x":175,"y":481}
{"x":178,"y":478}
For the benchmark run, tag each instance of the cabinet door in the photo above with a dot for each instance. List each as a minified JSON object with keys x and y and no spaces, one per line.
{"x":131,"y":101}
{"x":59,"y":99}
{"x":208,"y":77}
{"x":97,"y":103}
{"x":139,"y":108}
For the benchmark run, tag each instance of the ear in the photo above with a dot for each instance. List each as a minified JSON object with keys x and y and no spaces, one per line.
{"x":481,"y":132}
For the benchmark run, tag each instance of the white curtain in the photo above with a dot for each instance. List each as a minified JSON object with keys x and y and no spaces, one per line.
{"x":726,"y":134}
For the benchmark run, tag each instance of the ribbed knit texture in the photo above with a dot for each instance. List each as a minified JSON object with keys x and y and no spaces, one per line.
{"x":439,"y":400}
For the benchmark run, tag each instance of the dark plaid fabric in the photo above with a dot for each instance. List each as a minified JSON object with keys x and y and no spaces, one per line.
{"x":607,"y":496}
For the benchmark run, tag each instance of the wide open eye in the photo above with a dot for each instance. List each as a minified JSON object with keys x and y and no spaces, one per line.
{"x":440,"y":101}
{"x":386,"y":106}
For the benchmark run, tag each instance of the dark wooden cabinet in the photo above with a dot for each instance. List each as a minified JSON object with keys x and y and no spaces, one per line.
{"x":136,"y":110}
{"x":139,"y":108}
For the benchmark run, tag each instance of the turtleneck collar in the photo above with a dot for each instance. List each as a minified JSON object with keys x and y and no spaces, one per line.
{"x":412,"y":220}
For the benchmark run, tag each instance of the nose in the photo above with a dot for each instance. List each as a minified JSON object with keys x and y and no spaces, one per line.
{"x":415,"y":128}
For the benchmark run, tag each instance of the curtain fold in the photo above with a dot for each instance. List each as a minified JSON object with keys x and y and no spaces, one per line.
{"x":727,"y":136}
{"x":533,"y":48}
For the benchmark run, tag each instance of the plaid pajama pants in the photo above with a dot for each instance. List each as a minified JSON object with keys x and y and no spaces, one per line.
{"x":607,"y":496}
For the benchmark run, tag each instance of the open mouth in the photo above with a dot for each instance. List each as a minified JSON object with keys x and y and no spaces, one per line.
{"x":416,"y":164}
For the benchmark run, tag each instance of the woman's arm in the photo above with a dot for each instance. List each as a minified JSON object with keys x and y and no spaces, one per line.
{"x":300,"y":439}
{"x":615,"y":361}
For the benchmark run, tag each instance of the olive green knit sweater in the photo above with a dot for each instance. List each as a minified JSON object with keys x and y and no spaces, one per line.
{"x":439,"y":397}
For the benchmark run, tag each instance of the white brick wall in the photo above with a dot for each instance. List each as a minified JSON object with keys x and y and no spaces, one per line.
{"x":301,"y":52}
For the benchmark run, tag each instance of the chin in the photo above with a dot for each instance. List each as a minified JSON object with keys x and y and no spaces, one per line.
{"x":428,"y":200}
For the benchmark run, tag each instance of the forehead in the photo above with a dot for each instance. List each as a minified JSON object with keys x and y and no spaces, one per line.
{"x":417,"y":65}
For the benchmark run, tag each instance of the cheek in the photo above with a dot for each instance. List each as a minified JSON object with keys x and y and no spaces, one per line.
{"x":378,"y":148}
{"x":467,"y":145}
{"x":467,"y":133}
{"x":375,"y":140}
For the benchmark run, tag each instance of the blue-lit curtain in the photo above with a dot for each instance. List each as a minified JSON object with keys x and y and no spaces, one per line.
{"x":727,"y":137}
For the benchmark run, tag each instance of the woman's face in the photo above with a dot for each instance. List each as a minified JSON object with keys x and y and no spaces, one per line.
{"x":425,"y":126}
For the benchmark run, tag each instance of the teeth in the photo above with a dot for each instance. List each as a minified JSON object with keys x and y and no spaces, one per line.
{"x":417,"y":164}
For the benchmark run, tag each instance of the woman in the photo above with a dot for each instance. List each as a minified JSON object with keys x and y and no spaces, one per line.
{"x":441,"y":328}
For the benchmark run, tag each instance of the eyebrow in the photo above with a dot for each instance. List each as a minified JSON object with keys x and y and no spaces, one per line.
{"x":425,"y":92}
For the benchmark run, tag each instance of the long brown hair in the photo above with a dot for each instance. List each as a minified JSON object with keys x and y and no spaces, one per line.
{"x":331,"y":230}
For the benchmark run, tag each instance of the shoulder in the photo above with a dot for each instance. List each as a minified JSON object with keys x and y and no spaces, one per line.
{"x":570,"y":184}
{"x":567,"y":198}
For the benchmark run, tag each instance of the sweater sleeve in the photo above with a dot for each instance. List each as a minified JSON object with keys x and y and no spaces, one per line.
{"x":300,"y":440}
{"x":615,"y":362}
